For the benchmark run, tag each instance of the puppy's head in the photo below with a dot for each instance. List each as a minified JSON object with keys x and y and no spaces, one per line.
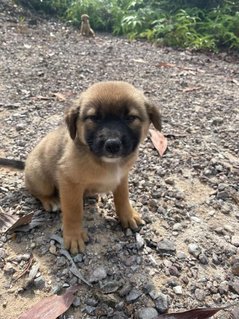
{"x":111,"y":119}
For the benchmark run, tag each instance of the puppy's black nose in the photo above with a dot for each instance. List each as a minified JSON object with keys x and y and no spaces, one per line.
{"x":113,"y":146}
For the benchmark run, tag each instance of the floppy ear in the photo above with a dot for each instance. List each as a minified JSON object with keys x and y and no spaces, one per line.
{"x":71,"y":119}
{"x":154,"y":114}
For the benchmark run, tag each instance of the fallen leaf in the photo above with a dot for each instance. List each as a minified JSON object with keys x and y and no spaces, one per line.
{"x":24,"y":220}
{"x":202,"y":313}
{"x":159,"y":141}
{"x":51,"y":307}
{"x":6,"y":221}
{"x":10,"y":222}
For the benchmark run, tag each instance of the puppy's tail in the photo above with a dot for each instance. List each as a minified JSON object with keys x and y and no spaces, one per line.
{"x":12,"y":163}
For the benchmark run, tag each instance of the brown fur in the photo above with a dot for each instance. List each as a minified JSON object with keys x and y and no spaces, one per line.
{"x":62,"y":164}
{"x":85,"y":28}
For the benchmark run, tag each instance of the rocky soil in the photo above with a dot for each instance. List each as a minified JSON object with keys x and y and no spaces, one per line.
{"x":187,"y":254}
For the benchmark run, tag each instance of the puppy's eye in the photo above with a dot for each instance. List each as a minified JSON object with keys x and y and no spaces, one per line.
{"x":131,"y":118}
{"x":93,"y":118}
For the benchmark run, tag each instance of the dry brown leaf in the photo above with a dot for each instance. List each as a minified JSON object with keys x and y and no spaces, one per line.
{"x":11,"y":222}
{"x":159,"y":141}
{"x":24,"y":220}
{"x":51,"y":307}
{"x":202,"y":313}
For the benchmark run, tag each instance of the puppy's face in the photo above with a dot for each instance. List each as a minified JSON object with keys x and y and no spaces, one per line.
{"x":112,"y":118}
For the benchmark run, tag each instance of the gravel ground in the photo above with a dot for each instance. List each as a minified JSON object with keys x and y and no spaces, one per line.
{"x":187,"y":254}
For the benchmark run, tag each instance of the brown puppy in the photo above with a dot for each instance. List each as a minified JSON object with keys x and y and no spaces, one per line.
{"x":93,"y":153}
{"x":85,"y":28}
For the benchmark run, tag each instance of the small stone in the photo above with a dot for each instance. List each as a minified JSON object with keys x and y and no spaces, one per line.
{"x":166,"y":246}
{"x":203,"y":259}
{"x":194,"y":250}
{"x":133,"y":295}
{"x":162,"y":303}
{"x":78,"y":258}
{"x":217,"y":121}
{"x":98,"y":274}
{"x":147,"y":313}
{"x":8,"y":269}
{"x":234,"y":286}
{"x":128,"y":232}
{"x":76,"y":302}
{"x":2,"y":253}
{"x":177,"y":227}
{"x":154,"y":294}
{"x":235,"y":241}
{"x":90,"y":310}
{"x":223,"y":195}
{"x":223,"y":287}
{"x":52,"y":250}
{"x":39,"y":282}
{"x":91,"y":302}
{"x":139,"y":241}
{"x":119,"y":315}
{"x":169,"y":181}
{"x":20,"y":126}
{"x":235,"y":268}
{"x":173,"y":270}
{"x":229,"y":228}
{"x":181,"y":255}
{"x":200,"y":294}
{"x":178,"y":290}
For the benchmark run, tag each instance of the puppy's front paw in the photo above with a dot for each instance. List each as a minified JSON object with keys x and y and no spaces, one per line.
{"x":74,"y":241}
{"x":130,"y":219}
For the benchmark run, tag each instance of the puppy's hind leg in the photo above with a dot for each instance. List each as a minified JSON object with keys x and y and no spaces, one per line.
{"x":44,"y":190}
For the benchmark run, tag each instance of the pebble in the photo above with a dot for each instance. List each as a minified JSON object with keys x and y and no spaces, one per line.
{"x":133,"y":295}
{"x":2,"y":253}
{"x":178,"y":290}
{"x":53,"y":250}
{"x":223,"y":287}
{"x":147,"y":313}
{"x":166,"y":246}
{"x":98,"y":274}
{"x":139,"y":241}
{"x":162,"y":303}
{"x":76,"y":302}
{"x":90,"y":310}
{"x":194,"y":250}
{"x":39,"y":282}
{"x":235,"y":268}
{"x":200,"y":294}
{"x":234,"y":285}
{"x":203,"y":259}
{"x":235,"y":240}
{"x":8,"y":269}
{"x":177,"y":227}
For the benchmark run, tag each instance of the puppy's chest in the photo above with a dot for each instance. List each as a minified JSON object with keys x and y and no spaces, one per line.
{"x":107,"y":181}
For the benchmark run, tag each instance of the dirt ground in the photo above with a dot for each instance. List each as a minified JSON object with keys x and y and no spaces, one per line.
{"x":187,"y":254}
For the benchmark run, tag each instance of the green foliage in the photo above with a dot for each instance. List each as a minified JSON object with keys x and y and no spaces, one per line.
{"x":198,"y":24}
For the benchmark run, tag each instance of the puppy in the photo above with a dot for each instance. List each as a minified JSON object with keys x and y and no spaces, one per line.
{"x":92,"y":153}
{"x":85,"y":28}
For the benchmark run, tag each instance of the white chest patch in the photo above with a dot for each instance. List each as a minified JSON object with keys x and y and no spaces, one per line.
{"x":109,"y":181}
